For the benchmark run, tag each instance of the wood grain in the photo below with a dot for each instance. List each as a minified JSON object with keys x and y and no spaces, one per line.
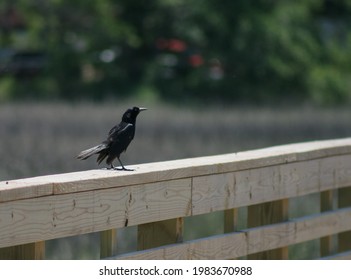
{"x":45,"y":218}
{"x":254,"y":240}
{"x":170,"y":170}
{"x":56,"y":206}
{"x":248,"y":187}
{"x":218,"y":247}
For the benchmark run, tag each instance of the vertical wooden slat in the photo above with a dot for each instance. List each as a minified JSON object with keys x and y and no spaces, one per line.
{"x":230,"y":220}
{"x":160,"y":233}
{"x":344,"y":238}
{"x":30,"y":251}
{"x":108,"y":243}
{"x":327,"y":244}
{"x":264,"y":214}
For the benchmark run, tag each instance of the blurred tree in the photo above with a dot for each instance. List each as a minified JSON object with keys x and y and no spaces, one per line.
{"x":275,"y":50}
{"x":330,"y":79}
{"x":245,"y":50}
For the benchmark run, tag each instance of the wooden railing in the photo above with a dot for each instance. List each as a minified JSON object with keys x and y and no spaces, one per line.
{"x":158,"y":197}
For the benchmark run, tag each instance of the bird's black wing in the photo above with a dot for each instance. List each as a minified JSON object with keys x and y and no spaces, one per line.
{"x":121,"y":131}
{"x":116,"y":128}
{"x":117,"y":141}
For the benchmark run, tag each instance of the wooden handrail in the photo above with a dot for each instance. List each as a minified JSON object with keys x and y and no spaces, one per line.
{"x":158,"y":196}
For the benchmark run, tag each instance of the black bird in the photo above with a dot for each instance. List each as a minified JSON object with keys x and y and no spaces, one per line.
{"x":117,"y":140}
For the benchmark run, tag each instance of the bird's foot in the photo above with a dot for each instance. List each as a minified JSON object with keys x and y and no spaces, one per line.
{"x":123,"y":169}
{"x":119,"y":168}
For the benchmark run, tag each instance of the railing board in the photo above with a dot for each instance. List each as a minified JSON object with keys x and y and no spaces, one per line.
{"x":45,"y":218}
{"x":164,"y":171}
{"x":55,"y":206}
{"x":223,"y":246}
{"x":340,"y":256}
{"x":243,"y":188}
{"x":55,"y":216}
{"x":254,"y":240}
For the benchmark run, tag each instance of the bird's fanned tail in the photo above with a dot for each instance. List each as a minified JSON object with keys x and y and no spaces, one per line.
{"x":94,"y":150}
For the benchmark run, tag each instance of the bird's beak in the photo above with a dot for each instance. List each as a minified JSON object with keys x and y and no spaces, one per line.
{"x":142,"y":109}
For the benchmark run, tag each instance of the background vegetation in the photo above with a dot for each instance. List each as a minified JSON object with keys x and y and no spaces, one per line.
{"x":251,"y":51}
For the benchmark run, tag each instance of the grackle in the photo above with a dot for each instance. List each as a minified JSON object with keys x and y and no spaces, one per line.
{"x":117,"y":141}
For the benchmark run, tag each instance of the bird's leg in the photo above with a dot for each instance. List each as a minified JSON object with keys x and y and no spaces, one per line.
{"x":110,"y":168}
{"x":123,"y":168}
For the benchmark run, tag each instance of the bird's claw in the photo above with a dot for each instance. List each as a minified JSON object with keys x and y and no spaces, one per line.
{"x":119,"y":168}
{"x":123,"y":169}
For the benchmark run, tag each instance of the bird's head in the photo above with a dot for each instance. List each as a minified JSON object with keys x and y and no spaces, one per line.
{"x":131,"y":114}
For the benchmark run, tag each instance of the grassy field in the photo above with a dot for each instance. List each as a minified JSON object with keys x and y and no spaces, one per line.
{"x":39,"y":139}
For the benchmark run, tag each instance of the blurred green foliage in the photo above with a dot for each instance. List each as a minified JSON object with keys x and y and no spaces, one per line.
{"x":227,"y":51}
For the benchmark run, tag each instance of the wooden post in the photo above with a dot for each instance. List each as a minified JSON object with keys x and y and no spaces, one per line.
{"x":161,"y":233}
{"x":230,"y":220}
{"x":264,"y":214}
{"x":30,"y":251}
{"x":108,"y":243}
{"x":327,"y":244}
{"x":344,"y":200}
